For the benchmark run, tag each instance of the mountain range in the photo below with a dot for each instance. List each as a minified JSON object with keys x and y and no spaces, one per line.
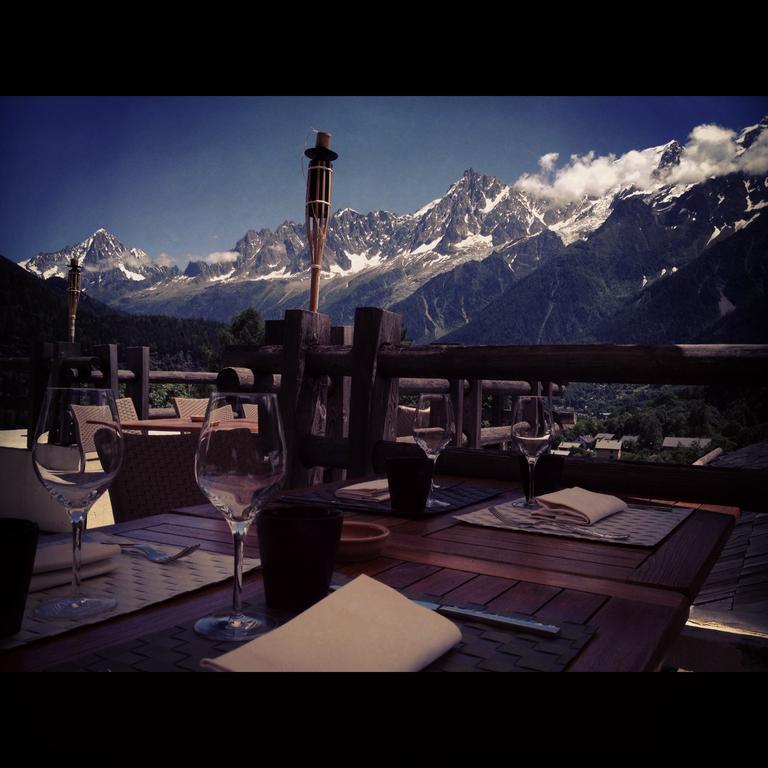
{"x":656,"y":260}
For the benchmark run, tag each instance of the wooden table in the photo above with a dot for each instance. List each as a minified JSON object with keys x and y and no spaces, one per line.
{"x":637,"y":598}
{"x":163,"y":425}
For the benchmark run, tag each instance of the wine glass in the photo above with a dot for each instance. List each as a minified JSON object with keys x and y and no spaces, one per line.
{"x":433,"y":429}
{"x":532,"y":432}
{"x":76,"y":453}
{"x":240,"y":462}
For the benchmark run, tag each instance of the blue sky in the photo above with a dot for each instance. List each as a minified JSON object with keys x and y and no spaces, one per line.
{"x":187,"y":176}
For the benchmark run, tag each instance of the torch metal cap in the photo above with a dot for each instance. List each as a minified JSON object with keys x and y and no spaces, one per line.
{"x":322,"y":149}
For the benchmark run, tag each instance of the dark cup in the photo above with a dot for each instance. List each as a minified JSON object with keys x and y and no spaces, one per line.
{"x":298,"y":548}
{"x":549,"y":474}
{"x":18,"y":545}
{"x":410,"y":480}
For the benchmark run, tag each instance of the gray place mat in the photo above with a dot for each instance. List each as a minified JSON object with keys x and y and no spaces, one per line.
{"x":136,"y":583}
{"x":482,"y":649}
{"x":454,"y":496}
{"x":643,"y":525}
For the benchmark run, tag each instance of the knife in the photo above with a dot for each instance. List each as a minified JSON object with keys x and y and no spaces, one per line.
{"x":485,"y":617}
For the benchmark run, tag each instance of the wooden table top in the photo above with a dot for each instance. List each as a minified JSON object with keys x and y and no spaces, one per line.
{"x":163,"y":425}
{"x":636,"y":598}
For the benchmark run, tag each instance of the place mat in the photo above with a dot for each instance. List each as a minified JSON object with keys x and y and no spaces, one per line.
{"x":645,"y":525}
{"x":136,"y":583}
{"x":482,"y":649}
{"x":455,"y":496}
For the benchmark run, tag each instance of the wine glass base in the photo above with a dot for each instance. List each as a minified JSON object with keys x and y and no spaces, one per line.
{"x":233,"y":628}
{"x":74,"y":607}
{"x":433,"y":503}
{"x":533,"y":504}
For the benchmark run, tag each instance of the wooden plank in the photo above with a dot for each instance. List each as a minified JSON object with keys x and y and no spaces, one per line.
{"x":571,"y":605}
{"x":337,"y":425}
{"x":403,"y":576}
{"x":373,"y":400}
{"x":524,"y":597}
{"x":554,"y":546}
{"x":107,"y":354}
{"x":519,"y":572}
{"x":439,"y":583}
{"x":302,"y":397}
{"x":521,"y":548}
{"x":457,"y":402}
{"x":684,"y":559}
{"x":137,"y":360}
{"x":479,"y":589}
{"x":625,"y":363}
{"x":633,"y":636}
{"x":473,"y":412}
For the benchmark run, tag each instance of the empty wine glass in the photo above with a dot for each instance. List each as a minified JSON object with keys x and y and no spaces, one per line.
{"x":240,"y":462}
{"x":76,"y":453}
{"x":433,"y":428}
{"x":532,"y":433}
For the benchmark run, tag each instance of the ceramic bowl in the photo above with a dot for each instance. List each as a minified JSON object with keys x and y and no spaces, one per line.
{"x":361,"y":541}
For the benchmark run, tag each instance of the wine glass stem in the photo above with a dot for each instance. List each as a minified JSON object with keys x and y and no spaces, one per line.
{"x":78,"y":517}
{"x":531,"y":474}
{"x":434,"y":486}
{"x":238,"y":534}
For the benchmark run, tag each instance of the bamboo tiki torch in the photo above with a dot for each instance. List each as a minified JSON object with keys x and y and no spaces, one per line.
{"x":73,"y":295}
{"x":318,"y":208}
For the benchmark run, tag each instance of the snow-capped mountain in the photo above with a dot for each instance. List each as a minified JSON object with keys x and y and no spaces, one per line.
{"x":443,"y":264}
{"x":106,"y":263}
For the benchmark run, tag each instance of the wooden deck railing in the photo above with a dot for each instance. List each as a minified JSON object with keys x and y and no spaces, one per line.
{"x":340,"y":386}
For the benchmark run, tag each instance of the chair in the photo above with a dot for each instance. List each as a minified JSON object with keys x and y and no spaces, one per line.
{"x":251,"y":412}
{"x":190,"y":406}
{"x":224,"y":413}
{"x":87,"y":418}
{"x":158,"y":474}
{"x":126,"y":409}
{"x":406,"y":415}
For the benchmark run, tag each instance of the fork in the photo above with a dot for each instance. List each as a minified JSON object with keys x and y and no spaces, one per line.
{"x":154,"y":555}
{"x":555,"y":526}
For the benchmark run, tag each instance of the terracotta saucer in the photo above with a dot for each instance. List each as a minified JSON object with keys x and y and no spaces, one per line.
{"x":361,"y":541}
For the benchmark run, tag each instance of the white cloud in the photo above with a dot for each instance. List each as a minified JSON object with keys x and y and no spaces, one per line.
{"x":221,"y":257}
{"x":547,"y":162}
{"x":589,"y":175}
{"x":164,"y":260}
{"x":710,"y":151}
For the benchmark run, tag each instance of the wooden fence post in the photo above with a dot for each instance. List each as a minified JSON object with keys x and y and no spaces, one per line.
{"x":302,"y":398}
{"x":107,"y":354}
{"x":473,"y":412}
{"x":374,"y":398}
{"x":40,"y":370}
{"x":337,"y":423}
{"x":137,"y":360}
{"x":274,"y":332}
{"x":457,"y":400}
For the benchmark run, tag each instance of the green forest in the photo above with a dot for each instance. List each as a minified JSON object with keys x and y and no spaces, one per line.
{"x":732,"y":417}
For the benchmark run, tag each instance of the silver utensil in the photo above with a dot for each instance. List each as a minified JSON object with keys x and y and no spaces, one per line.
{"x":155,"y":555}
{"x":485,"y":617}
{"x":555,"y":526}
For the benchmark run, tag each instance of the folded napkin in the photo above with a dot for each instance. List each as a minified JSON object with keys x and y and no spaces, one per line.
{"x":373,"y":490}
{"x":53,"y":564}
{"x":577,"y":505}
{"x":365,"y":626}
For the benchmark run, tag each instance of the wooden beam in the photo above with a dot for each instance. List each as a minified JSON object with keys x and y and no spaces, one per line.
{"x":374,"y":396}
{"x":137,"y":360}
{"x":631,"y":363}
{"x":302,"y":397}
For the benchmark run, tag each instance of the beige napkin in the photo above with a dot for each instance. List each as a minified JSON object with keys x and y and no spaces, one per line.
{"x":373,"y":490}
{"x":53,"y":564}
{"x":365,"y":626}
{"x":577,"y":505}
